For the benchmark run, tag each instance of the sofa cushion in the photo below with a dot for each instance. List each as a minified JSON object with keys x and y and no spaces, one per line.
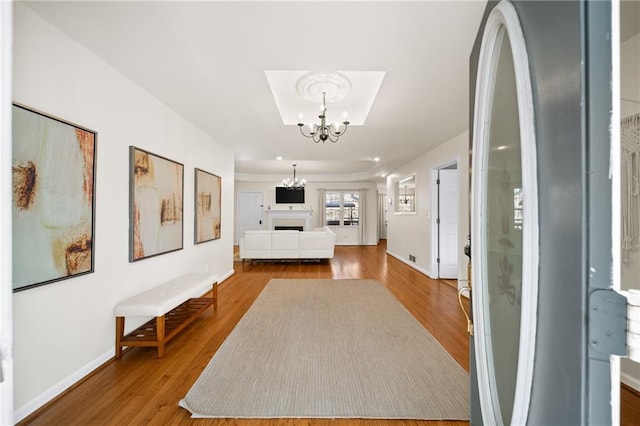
{"x":312,"y":240}
{"x":285,"y":240}
{"x":257,"y":240}
{"x":284,"y":244}
{"x":319,"y":244}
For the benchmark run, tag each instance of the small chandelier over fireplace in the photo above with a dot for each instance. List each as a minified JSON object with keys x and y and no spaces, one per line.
{"x":293,"y":183}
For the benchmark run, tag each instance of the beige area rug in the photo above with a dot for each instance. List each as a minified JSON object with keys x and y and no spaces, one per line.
{"x":330,"y":349}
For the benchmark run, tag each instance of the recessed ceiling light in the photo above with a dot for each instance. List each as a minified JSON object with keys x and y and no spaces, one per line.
{"x":383,"y":175}
{"x":376,"y":159}
{"x":279,"y":157}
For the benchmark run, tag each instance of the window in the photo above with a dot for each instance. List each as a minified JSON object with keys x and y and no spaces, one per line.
{"x":342,"y":208}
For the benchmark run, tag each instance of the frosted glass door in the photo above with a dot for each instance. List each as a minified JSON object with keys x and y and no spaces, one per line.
{"x":503,"y":233}
{"x":505,"y":225}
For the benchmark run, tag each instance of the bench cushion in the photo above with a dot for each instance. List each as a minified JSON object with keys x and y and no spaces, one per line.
{"x":159,"y":300}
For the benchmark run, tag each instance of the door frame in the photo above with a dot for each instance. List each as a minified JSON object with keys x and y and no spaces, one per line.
{"x":435,"y":206}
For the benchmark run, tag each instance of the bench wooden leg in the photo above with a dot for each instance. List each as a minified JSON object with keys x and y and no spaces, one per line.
{"x":214,"y":295}
{"x":160,"y":335}
{"x":119,"y":335}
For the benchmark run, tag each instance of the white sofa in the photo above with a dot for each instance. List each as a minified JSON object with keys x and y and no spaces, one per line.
{"x":316,"y":244}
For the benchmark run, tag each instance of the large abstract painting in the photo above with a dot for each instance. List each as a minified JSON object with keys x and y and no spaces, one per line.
{"x":156,"y":203}
{"x":53,"y":168}
{"x":207,"y":206}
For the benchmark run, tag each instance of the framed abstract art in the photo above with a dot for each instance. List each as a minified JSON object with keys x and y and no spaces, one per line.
{"x":155,"y":204}
{"x":53,"y":179}
{"x":207,"y":206}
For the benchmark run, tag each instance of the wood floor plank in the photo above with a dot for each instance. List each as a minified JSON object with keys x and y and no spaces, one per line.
{"x":140,"y":389}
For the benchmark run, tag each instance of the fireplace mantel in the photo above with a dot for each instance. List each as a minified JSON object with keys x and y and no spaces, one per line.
{"x":299,"y":216}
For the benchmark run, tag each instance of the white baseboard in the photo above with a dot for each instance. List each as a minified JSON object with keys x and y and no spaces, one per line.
{"x":461,"y":283}
{"x":30,"y":407}
{"x":631,"y":381}
{"x":413,"y":265}
{"x":225,"y":276}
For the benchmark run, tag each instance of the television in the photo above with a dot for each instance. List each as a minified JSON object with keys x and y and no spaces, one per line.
{"x":285,"y":195}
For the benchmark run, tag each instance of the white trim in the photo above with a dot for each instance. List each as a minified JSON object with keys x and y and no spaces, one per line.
{"x":222,"y":278}
{"x":61,"y":386}
{"x":616,"y":167}
{"x":504,"y":18}
{"x":413,"y":265}
{"x":631,"y":381}
{"x":616,"y":196}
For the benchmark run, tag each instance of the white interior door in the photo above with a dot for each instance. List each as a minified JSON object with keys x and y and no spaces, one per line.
{"x":382,"y":217}
{"x":448,"y":214}
{"x":249,"y":211}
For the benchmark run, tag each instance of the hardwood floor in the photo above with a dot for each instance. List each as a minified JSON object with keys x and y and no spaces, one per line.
{"x":140,"y":389}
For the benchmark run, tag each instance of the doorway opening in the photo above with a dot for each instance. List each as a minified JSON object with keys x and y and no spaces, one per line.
{"x":627,"y":211}
{"x":444,"y":220}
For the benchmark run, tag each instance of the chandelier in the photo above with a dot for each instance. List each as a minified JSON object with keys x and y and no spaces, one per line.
{"x":405,"y":200}
{"x":324,"y":132}
{"x":293,"y":184}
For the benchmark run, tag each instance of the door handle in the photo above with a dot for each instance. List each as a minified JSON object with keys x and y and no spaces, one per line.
{"x":260,"y":222}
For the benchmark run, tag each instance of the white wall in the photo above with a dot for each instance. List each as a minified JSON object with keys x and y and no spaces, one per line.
{"x":6,"y":294}
{"x":630,"y":92}
{"x":411,"y":233}
{"x":66,"y":329}
{"x":344,"y":235}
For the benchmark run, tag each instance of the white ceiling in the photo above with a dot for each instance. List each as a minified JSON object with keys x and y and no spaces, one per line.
{"x":207,"y":61}
{"x":354,"y":107}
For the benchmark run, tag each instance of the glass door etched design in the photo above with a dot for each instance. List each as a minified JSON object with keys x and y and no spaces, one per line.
{"x":505,"y":222}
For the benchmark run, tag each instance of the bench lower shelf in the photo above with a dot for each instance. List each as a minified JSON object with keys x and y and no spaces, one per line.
{"x":158,"y":331}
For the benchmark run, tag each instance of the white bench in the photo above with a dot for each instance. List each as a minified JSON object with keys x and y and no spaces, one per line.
{"x":174,"y":304}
